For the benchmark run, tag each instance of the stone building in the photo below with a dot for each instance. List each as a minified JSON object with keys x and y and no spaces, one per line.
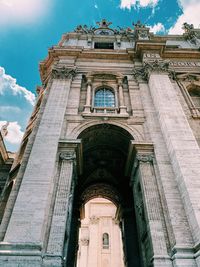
{"x":100,"y":242}
{"x":6,"y":161}
{"x":117,"y":116}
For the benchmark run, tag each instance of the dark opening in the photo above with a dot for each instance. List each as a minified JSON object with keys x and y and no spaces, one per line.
{"x":104,"y":45}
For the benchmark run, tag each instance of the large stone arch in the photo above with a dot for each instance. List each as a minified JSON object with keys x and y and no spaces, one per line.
{"x":105,"y":148}
{"x":136,"y":135}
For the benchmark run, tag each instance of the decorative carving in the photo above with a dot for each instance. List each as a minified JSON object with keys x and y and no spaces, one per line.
{"x":144,"y":158}
{"x":190,"y":32}
{"x":84,"y":29}
{"x":94,"y":219}
{"x":104,"y":24}
{"x":63,"y":72}
{"x":104,"y":29}
{"x":189,"y":77}
{"x":184,"y":64}
{"x":101,"y":190}
{"x":148,"y":67}
{"x":84,"y":241}
{"x":67,"y":155}
{"x":4,"y":129}
{"x":141,"y":31}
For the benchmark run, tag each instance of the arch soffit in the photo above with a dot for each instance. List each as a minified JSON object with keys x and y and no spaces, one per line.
{"x":136,"y":135}
{"x":101,"y":190}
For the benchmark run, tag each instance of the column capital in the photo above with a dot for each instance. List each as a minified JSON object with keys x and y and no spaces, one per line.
{"x":138,"y":152}
{"x":68,"y":155}
{"x":119,"y":80}
{"x":144,"y":158}
{"x":84,"y":241}
{"x":149,"y":66}
{"x":63,"y":72}
{"x":89,"y":79}
{"x":71,"y":149}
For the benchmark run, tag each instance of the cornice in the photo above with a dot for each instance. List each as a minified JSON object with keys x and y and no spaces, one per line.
{"x":57,"y":52}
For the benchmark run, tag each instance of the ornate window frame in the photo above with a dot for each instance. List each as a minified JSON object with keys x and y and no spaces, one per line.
{"x":185,"y":81}
{"x":103,"y":79}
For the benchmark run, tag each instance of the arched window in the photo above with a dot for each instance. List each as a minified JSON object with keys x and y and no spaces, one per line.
{"x":105,"y":241}
{"x":104,"y":97}
{"x":194,"y":92}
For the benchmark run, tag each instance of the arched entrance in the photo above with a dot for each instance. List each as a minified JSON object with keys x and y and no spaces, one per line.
{"x":105,"y":150}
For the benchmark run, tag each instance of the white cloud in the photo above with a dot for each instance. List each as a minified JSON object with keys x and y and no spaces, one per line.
{"x":159,"y":27}
{"x":9,"y":109}
{"x":96,"y":6}
{"x":22,"y":11}
{"x":9,"y":83}
{"x":191,"y":11}
{"x":139,"y":3}
{"x":15,"y":133}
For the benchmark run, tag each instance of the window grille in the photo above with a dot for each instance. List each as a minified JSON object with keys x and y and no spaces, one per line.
{"x":104,"y":98}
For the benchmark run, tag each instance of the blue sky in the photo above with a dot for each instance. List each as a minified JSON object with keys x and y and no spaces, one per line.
{"x":29,"y":27}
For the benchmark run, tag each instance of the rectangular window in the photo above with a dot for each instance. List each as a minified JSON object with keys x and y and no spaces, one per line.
{"x":104,"y":45}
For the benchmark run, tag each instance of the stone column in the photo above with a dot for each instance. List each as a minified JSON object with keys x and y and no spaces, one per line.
{"x":122,"y":106}
{"x":93,"y":243}
{"x":181,"y":144}
{"x":148,"y":208}
{"x":28,"y":220}
{"x":84,"y":242}
{"x":60,"y":214}
{"x":87,"y":106}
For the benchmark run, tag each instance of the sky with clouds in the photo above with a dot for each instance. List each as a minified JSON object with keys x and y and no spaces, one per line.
{"x":29,"y":27}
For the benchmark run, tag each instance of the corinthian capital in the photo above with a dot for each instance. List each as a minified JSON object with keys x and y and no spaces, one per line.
{"x":148,"y":67}
{"x":63,"y":72}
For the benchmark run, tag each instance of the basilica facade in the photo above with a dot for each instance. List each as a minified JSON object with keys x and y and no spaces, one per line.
{"x":117,"y":117}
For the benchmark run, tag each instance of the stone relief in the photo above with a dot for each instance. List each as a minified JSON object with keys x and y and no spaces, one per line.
{"x":63,"y":72}
{"x":84,"y":241}
{"x":145,"y":158}
{"x":67,"y":155}
{"x":140,"y":31}
{"x":155,"y":65}
{"x":190,"y":32}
